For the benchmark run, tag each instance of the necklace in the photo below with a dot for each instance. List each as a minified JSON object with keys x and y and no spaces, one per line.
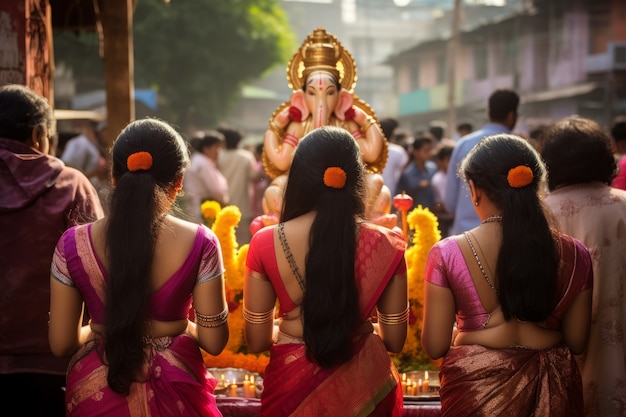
{"x":493,"y":219}
{"x":480,"y":265}
{"x":289,"y":255}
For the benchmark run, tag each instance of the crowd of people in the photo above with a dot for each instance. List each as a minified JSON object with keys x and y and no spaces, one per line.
{"x":123,"y":289}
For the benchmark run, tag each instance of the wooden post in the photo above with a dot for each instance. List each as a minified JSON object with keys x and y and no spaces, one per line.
{"x":116,"y":17}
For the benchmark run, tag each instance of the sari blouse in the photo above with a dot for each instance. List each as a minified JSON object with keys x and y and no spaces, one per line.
{"x":376,"y":250}
{"x":446,"y":267}
{"x":75,"y":263}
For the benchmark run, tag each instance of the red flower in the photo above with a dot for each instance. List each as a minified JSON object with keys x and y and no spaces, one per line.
{"x":295,"y":114}
{"x":349,"y":114}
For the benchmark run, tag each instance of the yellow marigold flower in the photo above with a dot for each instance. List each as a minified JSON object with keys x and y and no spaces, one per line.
{"x":235,"y":330}
{"x":425,"y":227}
{"x":210,"y":209}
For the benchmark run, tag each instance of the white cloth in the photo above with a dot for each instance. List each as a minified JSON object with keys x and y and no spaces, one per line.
{"x":203,"y":181}
{"x":82,"y":154}
{"x":439,"y":185}
{"x":397,"y":158}
{"x":240,"y":170}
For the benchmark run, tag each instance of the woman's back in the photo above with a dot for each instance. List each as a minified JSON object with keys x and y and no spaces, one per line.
{"x":329,"y":271}
{"x":519,"y":293}
{"x":479,"y":318}
{"x":137,"y":271}
{"x":173,"y":247}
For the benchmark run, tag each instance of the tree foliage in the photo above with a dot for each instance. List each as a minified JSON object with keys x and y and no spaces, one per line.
{"x":196,"y":54}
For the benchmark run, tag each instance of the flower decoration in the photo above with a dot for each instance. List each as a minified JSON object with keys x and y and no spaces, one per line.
{"x":210,"y":209}
{"x":139,"y":161}
{"x":425,"y":227}
{"x":349,"y":114}
{"x":295,"y":114}
{"x":225,"y":221}
{"x":334,"y":177}
{"x":520,"y":176}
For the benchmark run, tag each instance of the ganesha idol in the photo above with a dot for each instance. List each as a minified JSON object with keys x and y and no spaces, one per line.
{"x":322,"y":75}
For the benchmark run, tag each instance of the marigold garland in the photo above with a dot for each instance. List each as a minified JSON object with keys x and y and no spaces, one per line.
{"x":425,"y":227}
{"x":230,"y":359}
{"x":225,"y":221}
{"x":520,"y":176}
{"x":210,"y":209}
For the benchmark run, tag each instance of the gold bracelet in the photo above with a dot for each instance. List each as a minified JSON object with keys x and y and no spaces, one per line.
{"x":258,"y":318}
{"x":211,"y":321}
{"x":394,"y":318}
{"x":367,"y":123}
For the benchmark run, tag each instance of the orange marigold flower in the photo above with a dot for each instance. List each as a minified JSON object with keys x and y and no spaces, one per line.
{"x":520,"y":176}
{"x":335,"y":177}
{"x":139,"y":161}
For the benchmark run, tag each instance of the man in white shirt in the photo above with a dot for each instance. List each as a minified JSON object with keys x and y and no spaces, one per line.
{"x":240,"y":170}
{"x":82,"y":152}
{"x":397,"y":156}
{"x":203,"y":180}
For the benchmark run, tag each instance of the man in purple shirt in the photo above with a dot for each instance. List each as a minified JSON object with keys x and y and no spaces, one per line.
{"x":502,"y":113}
{"x":40,"y":198}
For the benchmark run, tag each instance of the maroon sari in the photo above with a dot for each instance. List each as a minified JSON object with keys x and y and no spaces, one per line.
{"x":516,"y":381}
{"x":478,"y":381}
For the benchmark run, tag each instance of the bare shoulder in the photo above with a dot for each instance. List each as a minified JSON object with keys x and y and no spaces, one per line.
{"x":179,"y":230}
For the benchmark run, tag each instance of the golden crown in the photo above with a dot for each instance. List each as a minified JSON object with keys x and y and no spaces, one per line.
{"x":321,"y":51}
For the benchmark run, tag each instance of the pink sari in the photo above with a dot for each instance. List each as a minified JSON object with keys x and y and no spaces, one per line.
{"x":367,"y":385}
{"x":175,"y":381}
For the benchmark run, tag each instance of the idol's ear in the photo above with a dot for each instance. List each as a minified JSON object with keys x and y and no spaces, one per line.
{"x":345,"y":102}
{"x":297,"y":101}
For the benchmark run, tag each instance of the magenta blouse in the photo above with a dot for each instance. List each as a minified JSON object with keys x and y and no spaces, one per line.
{"x":76,"y":264}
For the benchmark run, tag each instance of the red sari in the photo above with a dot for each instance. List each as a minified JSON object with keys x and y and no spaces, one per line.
{"x":367,"y":385}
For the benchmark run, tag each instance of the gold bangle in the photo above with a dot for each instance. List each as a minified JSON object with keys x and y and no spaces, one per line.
{"x":394,"y":318}
{"x":258,"y":318}
{"x":210,"y":321}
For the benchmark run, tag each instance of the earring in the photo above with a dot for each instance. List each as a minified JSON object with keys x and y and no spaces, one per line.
{"x":476,"y":203}
{"x":180,"y":192}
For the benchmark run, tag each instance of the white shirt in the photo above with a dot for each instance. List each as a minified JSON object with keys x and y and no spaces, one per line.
{"x":203,"y":181}
{"x":82,"y":154}
{"x":397,"y":158}
{"x":439,"y":185}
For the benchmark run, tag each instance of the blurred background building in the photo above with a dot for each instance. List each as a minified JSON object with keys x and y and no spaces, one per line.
{"x":417,"y":60}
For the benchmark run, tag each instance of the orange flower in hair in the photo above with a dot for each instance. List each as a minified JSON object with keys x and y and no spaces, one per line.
{"x":139,"y":161}
{"x":334,"y":177}
{"x":520,"y":176}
